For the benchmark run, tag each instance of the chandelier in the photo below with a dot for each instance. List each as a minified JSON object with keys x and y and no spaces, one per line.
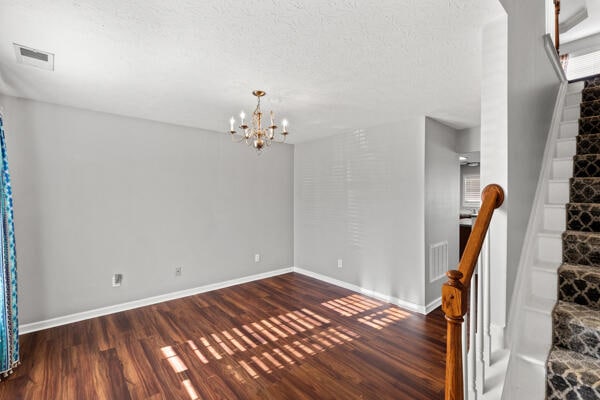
{"x":257,"y":136}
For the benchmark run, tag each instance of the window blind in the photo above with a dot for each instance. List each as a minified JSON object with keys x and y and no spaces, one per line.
{"x":471,"y":194}
{"x":584,"y":65}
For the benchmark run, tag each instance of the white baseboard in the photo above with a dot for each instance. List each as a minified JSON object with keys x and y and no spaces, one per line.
{"x":98,"y":312}
{"x":355,"y":288}
{"x":433,"y":305}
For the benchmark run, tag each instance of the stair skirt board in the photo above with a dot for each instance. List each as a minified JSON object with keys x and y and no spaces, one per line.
{"x":573,"y":365}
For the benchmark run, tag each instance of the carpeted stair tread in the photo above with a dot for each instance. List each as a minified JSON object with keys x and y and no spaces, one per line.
{"x":589,"y":108}
{"x":584,"y":190}
{"x":577,"y":328}
{"x":573,"y":366}
{"x":586,"y":166}
{"x":590,"y":93}
{"x":583,"y":217}
{"x":581,"y":248}
{"x":588,"y":144}
{"x":589,"y":125}
{"x":572,"y":376}
{"x":593,"y":81}
{"x":579,"y":284}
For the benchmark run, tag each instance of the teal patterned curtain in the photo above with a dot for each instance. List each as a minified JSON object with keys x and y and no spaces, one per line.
{"x":9,"y":324}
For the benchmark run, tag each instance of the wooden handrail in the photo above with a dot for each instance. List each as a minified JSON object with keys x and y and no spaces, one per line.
{"x":557,"y":25}
{"x":454,"y":292}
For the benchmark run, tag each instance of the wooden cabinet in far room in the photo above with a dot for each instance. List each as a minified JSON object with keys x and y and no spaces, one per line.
{"x":464,"y":233}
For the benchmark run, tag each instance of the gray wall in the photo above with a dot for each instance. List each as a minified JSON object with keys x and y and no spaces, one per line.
{"x":360,"y":197}
{"x":442,"y":185}
{"x":468,"y":140}
{"x":532,"y":90}
{"x":97,"y":194}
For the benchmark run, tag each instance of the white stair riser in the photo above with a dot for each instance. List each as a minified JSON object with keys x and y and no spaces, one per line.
{"x":575,"y":87}
{"x":549,"y":248}
{"x":544,"y":284}
{"x":566,"y":148}
{"x":530,"y":381}
{"x":558,"y":192}
{"x":555,"y":218}
{"x":562,"y":168}
{"x":571,"y":113}
{"x":573,"y":99}
{"x":539,"y":326}
{"x":568,"y":129}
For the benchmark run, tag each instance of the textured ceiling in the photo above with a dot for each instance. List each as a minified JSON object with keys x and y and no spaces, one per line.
{"x":329,"y":66}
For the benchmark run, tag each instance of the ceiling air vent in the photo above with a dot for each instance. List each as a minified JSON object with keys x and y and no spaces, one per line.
{"x":35,"y":58}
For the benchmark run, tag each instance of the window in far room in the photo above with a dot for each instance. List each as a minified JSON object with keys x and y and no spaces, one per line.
{"x":471,"y":191}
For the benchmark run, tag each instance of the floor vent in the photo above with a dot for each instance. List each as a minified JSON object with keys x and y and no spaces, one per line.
{"x":438,"y":261}
{"x":35,"y":58}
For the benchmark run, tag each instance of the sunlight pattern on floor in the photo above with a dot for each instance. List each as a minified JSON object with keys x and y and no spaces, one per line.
{"x":356,"y":305}
{"x":381,"y":319}
{"x":352,"y":305}
{"x":303,"y":333}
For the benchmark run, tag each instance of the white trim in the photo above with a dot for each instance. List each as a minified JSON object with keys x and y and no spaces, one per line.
{"x":367,"y":292}
{"x":554,"y":59}
{"x":98,"y":312}
{"x":574,"y":20}
{"x":433,"y":305}
{"x":579,"y":47}
{"x":550,"y":18}
{"x":497,"y":334}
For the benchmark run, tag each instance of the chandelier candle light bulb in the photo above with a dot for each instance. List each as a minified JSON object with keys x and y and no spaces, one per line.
{"x":255,"y":135}
{"x":285,"y":124}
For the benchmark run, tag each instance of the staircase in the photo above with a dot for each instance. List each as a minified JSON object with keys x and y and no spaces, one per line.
{"x":573,"y":365}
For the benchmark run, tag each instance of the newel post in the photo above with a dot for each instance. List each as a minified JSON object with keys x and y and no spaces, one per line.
{"x":454,"y":305}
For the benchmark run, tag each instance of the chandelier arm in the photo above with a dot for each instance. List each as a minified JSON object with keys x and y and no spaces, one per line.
{"x":236,"y":138}
{"x":282,"y":140}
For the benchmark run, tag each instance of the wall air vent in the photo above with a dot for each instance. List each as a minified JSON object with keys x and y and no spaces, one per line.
{"x":35,"y":58}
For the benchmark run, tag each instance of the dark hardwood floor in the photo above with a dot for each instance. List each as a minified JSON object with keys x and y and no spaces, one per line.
{"x":287,"y":337}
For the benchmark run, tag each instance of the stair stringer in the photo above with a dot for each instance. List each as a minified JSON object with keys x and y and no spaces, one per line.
{"x":528,"y":316}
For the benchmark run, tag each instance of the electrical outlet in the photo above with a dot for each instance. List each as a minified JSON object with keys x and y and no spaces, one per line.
{"x":117,"y":279}
{"x":340,"y":263}
{"x":178,"y":271}
{"x":257,"y":258}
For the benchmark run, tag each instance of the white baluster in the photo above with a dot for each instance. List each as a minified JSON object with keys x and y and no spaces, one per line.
{"x":465,"y":364}
{"x":480,"y":362}
{"x":472,"y":387}
{"x":487,"y":299}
